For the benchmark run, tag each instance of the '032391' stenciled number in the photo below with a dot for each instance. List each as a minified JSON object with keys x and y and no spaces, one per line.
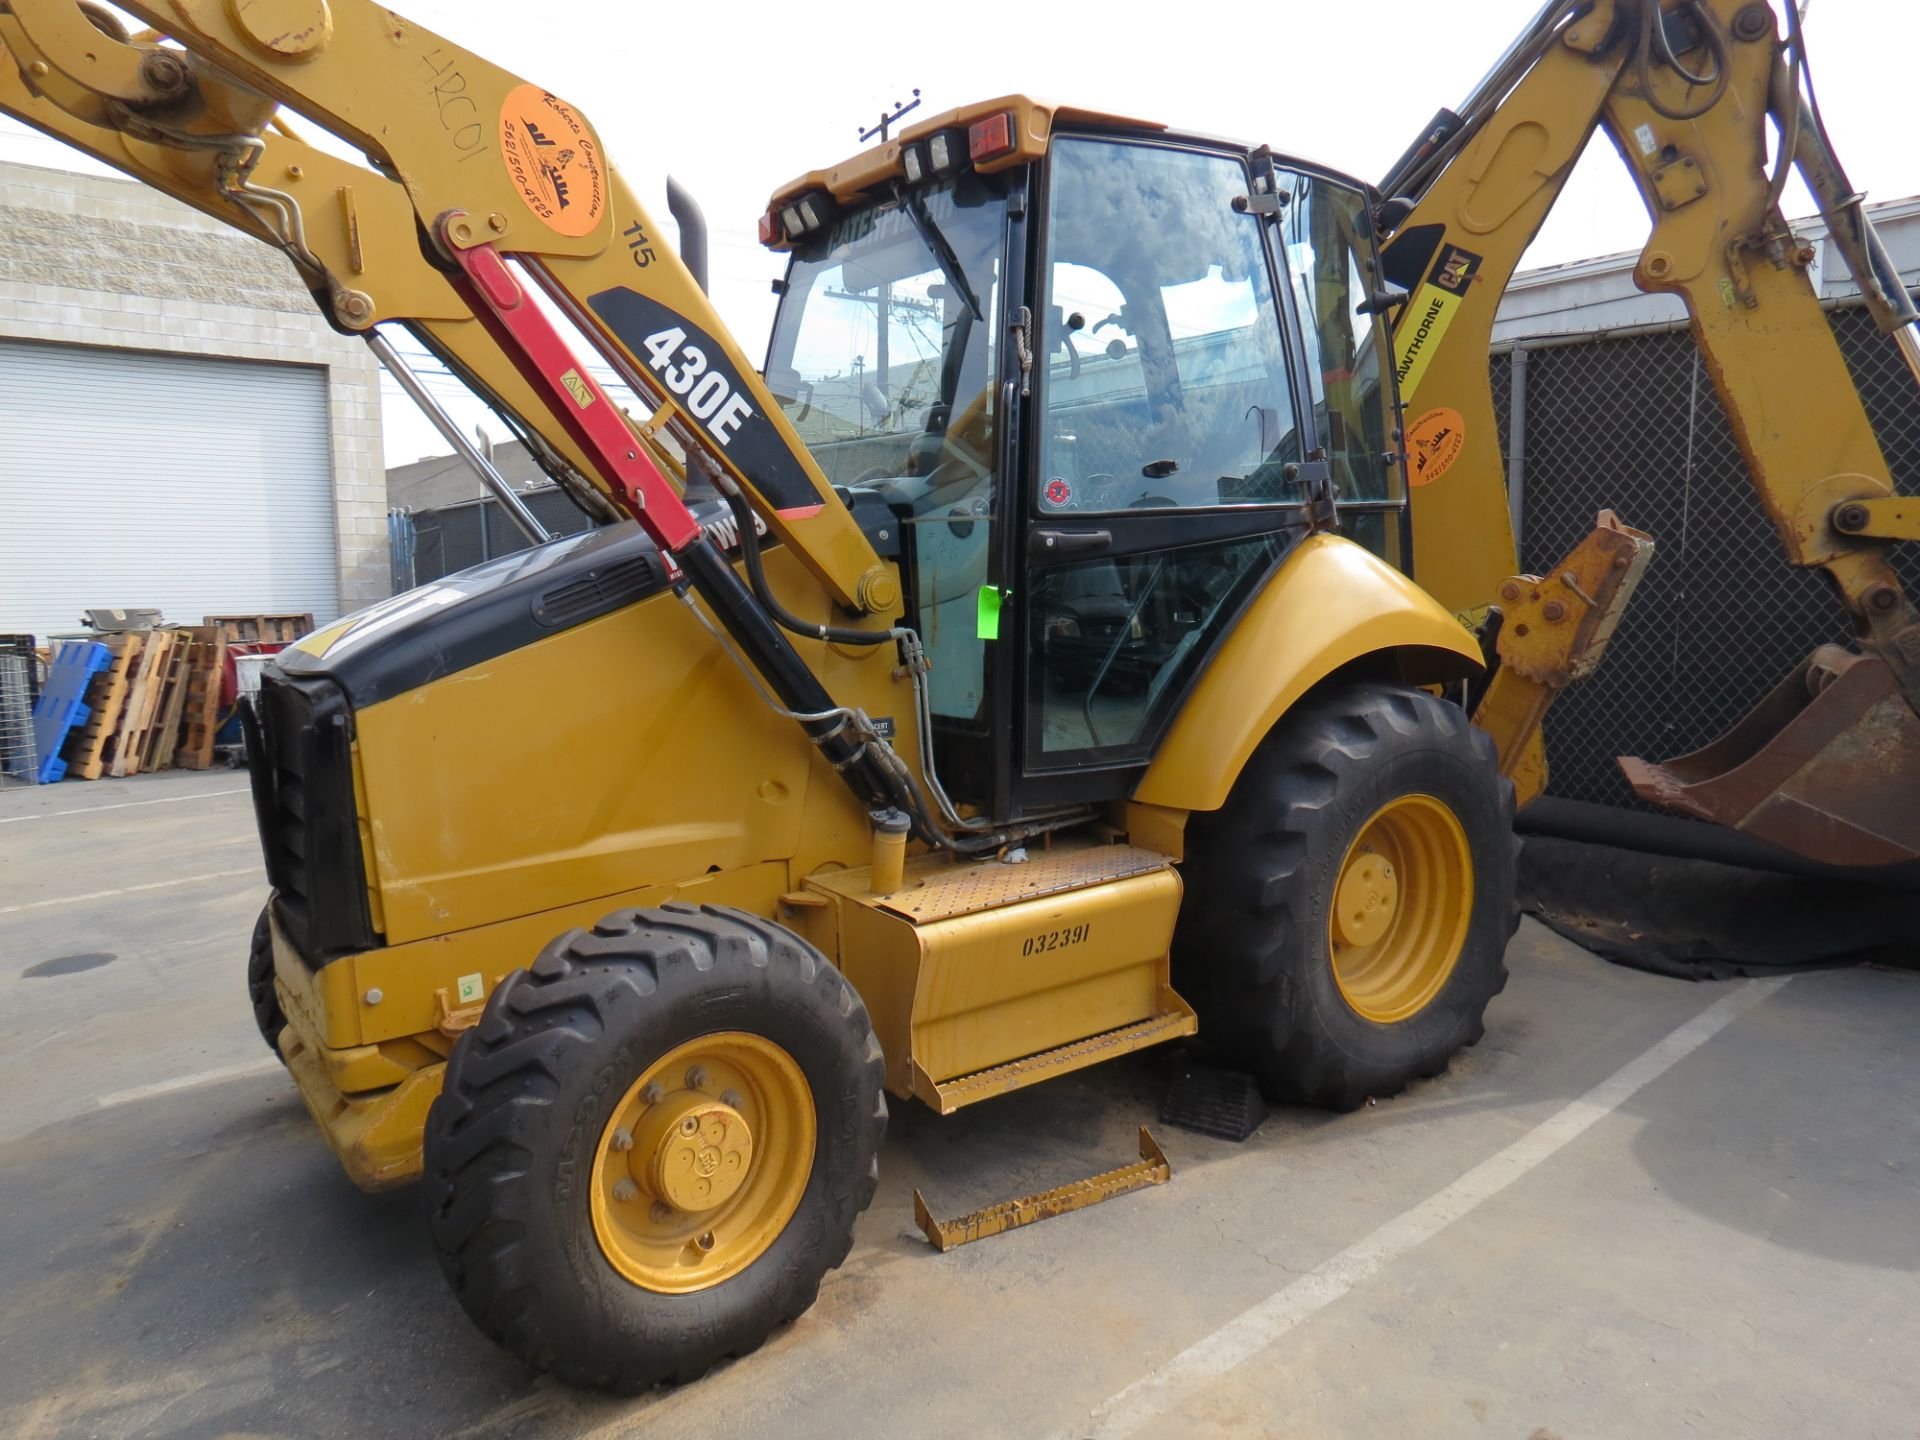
{"x":709,"y":396}
{"x":1055,"y":939}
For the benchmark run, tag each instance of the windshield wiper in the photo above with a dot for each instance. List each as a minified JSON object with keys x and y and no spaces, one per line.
{"x":942,"y":251}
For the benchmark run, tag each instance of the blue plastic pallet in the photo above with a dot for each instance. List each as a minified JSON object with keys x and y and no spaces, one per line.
{"x":62,"y":704}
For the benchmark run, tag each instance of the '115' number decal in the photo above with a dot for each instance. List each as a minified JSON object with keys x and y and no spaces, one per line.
{"x":710,"y":398}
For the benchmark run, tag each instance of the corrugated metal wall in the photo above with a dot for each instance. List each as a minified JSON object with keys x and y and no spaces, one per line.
{"x":200,"y":486}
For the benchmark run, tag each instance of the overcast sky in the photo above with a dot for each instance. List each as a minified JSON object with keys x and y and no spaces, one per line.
{"x":736,"y":98}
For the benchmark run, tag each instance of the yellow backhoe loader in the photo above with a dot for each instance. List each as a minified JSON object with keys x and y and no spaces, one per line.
{"x":1024,"y":666}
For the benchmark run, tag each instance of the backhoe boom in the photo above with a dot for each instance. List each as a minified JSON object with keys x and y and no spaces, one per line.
{"x":1686,"y":92}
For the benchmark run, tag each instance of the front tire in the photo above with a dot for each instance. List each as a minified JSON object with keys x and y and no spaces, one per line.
{"x":654,"y":1145}
{"x":267,"y":1014}
{"x":1348,"y":909}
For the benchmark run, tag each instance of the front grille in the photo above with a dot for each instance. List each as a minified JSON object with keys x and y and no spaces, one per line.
{"x":300,"y":754}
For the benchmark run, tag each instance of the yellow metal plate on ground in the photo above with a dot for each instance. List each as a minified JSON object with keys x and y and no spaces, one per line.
{"x":1152,"y":1169}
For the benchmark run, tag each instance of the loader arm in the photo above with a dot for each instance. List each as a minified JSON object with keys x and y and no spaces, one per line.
{"x":459,"y":150}
{"x":485,"y":208}
{"x":1686,"y":91}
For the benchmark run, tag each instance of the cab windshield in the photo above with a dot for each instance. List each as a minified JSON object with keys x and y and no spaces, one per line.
{"x":883,"y":362}
{"x":884,"y":356}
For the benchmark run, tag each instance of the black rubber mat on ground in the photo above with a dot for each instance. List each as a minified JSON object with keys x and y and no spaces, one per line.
{"x":1701,"y":920}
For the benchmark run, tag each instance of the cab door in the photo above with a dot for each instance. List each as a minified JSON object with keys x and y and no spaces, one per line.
{"x":1168,"y":454}
{"x":1325,"y":231}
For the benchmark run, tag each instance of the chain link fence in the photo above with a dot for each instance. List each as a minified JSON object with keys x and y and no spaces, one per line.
{"x":1633,"y":423}
{"x":429,"y":544}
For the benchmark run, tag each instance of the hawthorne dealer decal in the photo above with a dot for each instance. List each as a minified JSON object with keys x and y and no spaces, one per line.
{"x":553,"y":160}
{"x":1424,"y":323}
{"x":692,"y":366}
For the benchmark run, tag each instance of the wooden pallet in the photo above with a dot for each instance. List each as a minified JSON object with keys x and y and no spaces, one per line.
{"x":200,"y":719}
{"x":86,"y":750}
{"x":143,"y":704}
{"x":156,"y":751}
{"x":249,"y":628}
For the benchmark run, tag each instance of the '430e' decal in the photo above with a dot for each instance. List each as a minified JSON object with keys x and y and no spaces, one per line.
{"x":685,"y":369}
{"x":693,"y":366}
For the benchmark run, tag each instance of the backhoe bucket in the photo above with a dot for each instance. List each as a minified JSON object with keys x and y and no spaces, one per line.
{"x":1827,"y":766}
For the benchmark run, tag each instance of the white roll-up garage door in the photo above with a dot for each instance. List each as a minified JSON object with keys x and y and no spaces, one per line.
{"x":126,"y":478}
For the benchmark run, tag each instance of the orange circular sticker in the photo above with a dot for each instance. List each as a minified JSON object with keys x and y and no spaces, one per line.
{"x":1434,"y":442}
{"x":553,"y":160}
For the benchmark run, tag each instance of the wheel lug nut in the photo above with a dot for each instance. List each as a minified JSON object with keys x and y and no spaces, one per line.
{"x":623,"y":1139}
{"x":660,"y":1213}
{"x":624,"y":1190}
{"x":652,"y":1093}
{"x":731,"y":1098}
{"x":697,"y":1078}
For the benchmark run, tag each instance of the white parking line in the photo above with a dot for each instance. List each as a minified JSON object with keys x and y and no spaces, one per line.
{"x":122,"y":805}
{"x":1137,"y":1406}
{"x":128,"y":890}
{"x":190,"y":1082}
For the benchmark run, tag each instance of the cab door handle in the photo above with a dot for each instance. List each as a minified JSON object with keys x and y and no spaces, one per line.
{"x":1058,"y":544}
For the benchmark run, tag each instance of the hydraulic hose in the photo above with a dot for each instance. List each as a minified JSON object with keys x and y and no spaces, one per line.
{"x":1653,"y":36}
{"x":757,"y":577}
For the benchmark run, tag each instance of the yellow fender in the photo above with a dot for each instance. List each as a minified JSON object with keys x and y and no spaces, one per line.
{"x":1329,"y":604}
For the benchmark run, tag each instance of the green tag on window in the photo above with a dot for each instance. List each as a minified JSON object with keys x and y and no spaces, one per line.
{"x":987,"y":622}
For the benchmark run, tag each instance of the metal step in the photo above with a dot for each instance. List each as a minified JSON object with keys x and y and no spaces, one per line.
{"x":1174,"y":1019}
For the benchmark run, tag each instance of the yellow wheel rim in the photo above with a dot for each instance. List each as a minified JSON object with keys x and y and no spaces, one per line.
{"x":1401,"y":907}
{"x":703,"y":1162}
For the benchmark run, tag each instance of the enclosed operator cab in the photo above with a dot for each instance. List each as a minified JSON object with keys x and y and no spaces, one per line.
{"x":1182,"y":329}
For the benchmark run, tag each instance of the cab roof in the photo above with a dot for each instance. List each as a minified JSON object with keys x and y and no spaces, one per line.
{"x":1033,"y":122}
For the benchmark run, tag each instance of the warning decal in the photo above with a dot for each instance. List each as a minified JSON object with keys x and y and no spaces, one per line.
{"x":1424,"y":323}
{"x":553,"y":160}
{"x":1058,"y":492}
{"x":1434,"y":442}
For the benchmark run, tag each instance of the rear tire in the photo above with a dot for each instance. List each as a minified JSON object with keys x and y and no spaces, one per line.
{"x":532,"y":1147}
{"x":260,"y":992}
{"x":1393,"y":801}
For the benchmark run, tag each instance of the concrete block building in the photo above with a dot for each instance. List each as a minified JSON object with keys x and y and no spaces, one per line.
{"x":178,"y":427}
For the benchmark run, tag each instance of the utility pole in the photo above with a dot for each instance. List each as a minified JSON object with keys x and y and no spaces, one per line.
{"x":887,"y":120}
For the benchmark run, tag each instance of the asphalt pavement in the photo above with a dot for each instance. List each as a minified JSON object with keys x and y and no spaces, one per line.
{"x":1640,"y":1207}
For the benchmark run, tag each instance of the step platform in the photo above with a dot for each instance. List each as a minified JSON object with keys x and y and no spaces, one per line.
{"x":986,"y":976}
